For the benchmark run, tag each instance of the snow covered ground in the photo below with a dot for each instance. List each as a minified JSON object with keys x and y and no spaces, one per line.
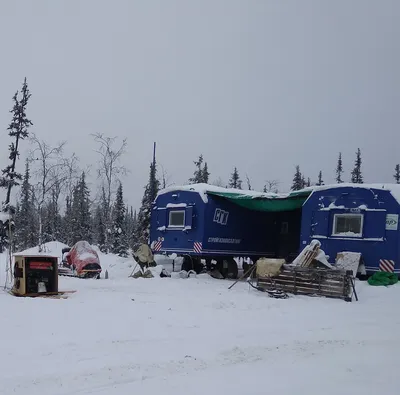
{"x":194,"y":336}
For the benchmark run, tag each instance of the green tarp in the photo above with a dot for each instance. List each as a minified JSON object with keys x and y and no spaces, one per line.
{"x":383,"y":278}
{"x":289,"y":202}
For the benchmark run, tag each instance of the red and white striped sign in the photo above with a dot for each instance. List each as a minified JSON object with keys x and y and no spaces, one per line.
{"x":197,"y":247}
{"x":386,"y":265}
{"x":157,"y":246}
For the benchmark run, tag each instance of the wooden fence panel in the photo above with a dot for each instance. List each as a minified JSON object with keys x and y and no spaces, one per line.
{"x":311,"y":281}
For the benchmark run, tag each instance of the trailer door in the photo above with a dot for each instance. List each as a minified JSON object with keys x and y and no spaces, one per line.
{"x":161,"y":217}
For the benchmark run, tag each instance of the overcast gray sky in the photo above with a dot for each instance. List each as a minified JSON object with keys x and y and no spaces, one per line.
{"x":261,"y":85}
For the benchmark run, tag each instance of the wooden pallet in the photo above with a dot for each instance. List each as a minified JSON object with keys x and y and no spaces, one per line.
{"x":310,"y":281}
{"x":51,"y":295}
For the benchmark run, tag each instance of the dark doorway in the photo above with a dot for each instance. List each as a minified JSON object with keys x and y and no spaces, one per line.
{"x":288,"y":224}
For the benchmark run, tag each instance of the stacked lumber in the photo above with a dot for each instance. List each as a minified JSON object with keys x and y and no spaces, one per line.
{"x":307,"y":256}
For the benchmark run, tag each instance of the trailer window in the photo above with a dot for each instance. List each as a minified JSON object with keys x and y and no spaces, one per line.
{"x":176,"y":219}
{"x":349,"y":225}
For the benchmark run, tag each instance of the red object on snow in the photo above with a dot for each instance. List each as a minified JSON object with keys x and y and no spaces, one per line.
{"x":84,"y":259}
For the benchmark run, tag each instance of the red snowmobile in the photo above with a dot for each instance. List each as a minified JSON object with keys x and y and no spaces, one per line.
{"x":80,"y":261}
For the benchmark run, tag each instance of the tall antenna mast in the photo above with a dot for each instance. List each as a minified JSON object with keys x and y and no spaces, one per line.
{"x":152,"y":191}
{"x":154,"y":154}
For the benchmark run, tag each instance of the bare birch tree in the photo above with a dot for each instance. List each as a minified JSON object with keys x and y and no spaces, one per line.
{"x":50,"y":173}
{"x":219,"y":183}
{"x":71,"y":172}
{"x":271,"y":186}
{"x":248,"y":182}
{"x":109,"y":171}
{"x":165,"y":178}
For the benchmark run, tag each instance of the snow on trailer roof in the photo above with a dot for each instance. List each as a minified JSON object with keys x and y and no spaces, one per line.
{"x":204,"y":189}
{"x":394,"y":189}
{"x":259,"y":201}
{"x":269,"y":201}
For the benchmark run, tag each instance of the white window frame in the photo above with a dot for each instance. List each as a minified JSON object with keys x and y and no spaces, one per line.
{"x":169,"y":218}
{"x":336,"y":216}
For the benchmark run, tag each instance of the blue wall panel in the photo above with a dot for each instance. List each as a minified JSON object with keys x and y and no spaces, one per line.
{"x":376,"y":242}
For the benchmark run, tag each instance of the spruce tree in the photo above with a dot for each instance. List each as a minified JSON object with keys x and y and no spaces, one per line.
{"x":51,"y":219}
{"x":201,"y":174}
{"x":75,"y":215}
{"x":130,"y":225}
{"x":128,"y":220}
{"x":308,"y":183}
{"x":133,"y":239}
{"x":298,"y":180}
{"x":81,"y":216}
{"x":198,"y":173}
{"x":105,"y":224}
{"x":25,"y":218}
{"x":120,"y":246}
{"x":150,"y":193}
{"x":397,"y":174}
{"x":339,"y":169}
{"x":46,"y":223}
{"x":320,"y":180}
{"x":17,"y":243}
{"x":18,"y":130}
{"x":235,"y":181}
{"x":99,"y":228}
{"x":205,"y":174}
{"x":356,"y":174}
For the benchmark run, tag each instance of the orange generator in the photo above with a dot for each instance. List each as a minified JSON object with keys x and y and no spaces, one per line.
{"x":35,"y":275}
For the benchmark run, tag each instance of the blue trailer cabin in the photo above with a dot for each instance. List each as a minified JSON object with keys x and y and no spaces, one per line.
{"x":358,"y":218}
{"x":212,"y":223}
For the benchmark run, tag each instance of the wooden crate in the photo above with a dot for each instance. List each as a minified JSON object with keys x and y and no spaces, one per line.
{"x":311,"y":281}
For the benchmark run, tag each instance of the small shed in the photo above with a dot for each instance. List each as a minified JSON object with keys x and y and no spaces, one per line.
{"x":360,"y":218}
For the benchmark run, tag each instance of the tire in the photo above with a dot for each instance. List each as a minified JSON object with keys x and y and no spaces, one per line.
{"x":233,"y":270}
{"x":187,"y":263}
{"x":228,"y":268}
{"x":192,"y":263}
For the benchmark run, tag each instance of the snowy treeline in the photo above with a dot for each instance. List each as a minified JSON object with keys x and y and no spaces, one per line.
{"x":300,"y":181}
{"x":103,"y":219}
{"x":38,"y":220}
{"x":54,"y":201}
